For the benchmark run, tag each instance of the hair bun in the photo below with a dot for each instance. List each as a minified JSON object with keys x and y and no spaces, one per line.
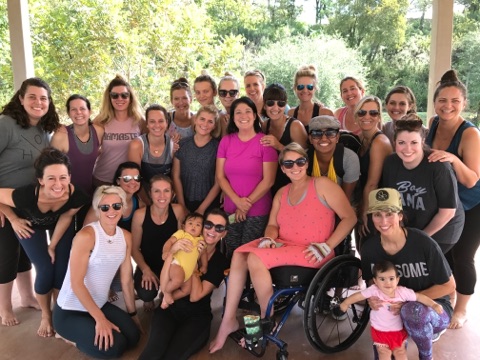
{"x":204,"y":72}
{"x":450,"y":76}
{"x":228,"y":73}
{"x":181,"y":80}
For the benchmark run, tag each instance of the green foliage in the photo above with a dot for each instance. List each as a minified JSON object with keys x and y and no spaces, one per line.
{"x":6,"y":74}
{"x":279,"y":61}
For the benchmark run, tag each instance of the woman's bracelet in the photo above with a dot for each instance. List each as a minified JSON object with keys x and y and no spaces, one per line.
{"x":133,"y":313}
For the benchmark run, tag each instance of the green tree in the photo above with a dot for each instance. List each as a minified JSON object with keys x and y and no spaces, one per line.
{"x":371,"y":25}
{"x":281,"y":60}
{"x":6,"y":74}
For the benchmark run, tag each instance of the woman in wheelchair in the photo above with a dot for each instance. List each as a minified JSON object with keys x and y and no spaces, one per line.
{"x":421,"y":264}
{"x":301,"y":231}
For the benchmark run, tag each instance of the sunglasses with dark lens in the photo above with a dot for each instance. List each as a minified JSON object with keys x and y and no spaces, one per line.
{"x":223,"y":93}
{"x":310,"y":87}
{"x":329,"y":133}
{"x":218,"y":228}
{"x":128,"y":178}
{"x":106,"y":207}
{"x":123,"y":95}
{"x":373,"y":113}
{"x":280,"y":103}
{"x":288,"y":164}
{"x":408,"y":125}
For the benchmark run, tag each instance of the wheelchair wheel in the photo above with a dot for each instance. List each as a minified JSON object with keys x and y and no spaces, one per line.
{"x":327,"y":332}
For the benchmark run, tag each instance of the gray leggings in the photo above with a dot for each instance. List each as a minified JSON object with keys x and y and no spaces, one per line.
{"x":79,"y":327}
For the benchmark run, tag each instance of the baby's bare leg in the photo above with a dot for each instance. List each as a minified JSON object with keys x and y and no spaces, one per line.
{"x":176,"y":277}
{"x":384,"y":353}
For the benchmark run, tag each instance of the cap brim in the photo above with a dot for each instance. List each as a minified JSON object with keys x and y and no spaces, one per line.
{"x":384,"y":208}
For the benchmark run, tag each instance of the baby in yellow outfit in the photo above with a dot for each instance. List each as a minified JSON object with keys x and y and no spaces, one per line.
{"x":184,"y":262}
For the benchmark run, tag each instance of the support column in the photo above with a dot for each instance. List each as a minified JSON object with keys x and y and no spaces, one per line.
{"x":20,"y":41}
{"x":440,"y":46}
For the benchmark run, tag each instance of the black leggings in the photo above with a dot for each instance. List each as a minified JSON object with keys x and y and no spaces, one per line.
{"x":462,"y":256}
{"x":79,"y":327}
{"x":143,"y":294}
{"x":12,"y":256}
{"x":176,"y":334}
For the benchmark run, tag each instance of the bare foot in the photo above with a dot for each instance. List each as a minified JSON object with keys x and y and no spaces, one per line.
{"x":226,"y":328}
{"x":46,"y":328}
{"x":167,"y":300}
{"x":148,"y":306}
{"x":8,"y":318}
{"x":30,"y":302}
{"x":457,"y":321}
{"x":67,"y":341}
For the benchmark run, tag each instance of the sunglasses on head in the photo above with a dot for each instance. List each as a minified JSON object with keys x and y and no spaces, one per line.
{"x":106,"y":207}
{"x":373,"y":113}
{"x":280,"y":103}
{"x":123,"y":95}
{"x":329,"y":133}
{"x":288,"y":164}
{"x":218,"y":228}
{"x":223,"y":93}
{"x":310,"y":87}
{"x":128,"y":178}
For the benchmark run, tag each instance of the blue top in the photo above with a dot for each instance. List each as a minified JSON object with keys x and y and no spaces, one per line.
{"x":469,"y":197}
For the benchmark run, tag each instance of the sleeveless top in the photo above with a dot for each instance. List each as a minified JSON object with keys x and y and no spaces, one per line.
{"x":343,"y":120}
{"x":83,"y":156}
{"x":126,"y":222}
{"x":155,"y":236}
{"x":469,"y":197}
{"x":116,"y":138}
{"x":153,"y":165}
{"x":184,"y":132}
{"x":310,"y":220}
{"x":280,"y":178}
{"x":315,"y":112}
{"x":365,"y":163}
{"x":106,"y":257}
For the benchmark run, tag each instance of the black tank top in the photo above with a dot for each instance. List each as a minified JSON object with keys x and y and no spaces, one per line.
{"x":155,"y":236}
{"x":315,"y":112}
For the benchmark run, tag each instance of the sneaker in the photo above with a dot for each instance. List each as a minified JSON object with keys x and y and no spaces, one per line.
{"x":338,"y":314}
{"x":437,"y":336}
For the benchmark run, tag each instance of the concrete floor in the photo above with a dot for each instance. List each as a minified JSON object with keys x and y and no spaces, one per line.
{"x":21,"y":342}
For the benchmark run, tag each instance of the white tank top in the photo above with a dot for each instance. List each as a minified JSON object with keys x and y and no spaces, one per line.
{"x":107,"y":256}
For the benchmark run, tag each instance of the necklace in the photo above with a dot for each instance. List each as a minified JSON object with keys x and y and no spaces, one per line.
{"x":83,"y":142}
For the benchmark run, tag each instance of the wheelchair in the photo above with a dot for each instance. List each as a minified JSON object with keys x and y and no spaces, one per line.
{"x":318,"y":292}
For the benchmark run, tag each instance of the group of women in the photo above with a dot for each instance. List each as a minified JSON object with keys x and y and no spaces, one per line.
{"x":283,"y":175}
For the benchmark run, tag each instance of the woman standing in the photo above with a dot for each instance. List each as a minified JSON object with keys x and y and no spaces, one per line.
{"x":152,"y":226}
{"x":399,"y":102}
{"x":228,"y":90}
{"x":245,"y":171}
{"x":205,"y":89}
{"x":351,"y":91}
{"x":410,"y":250}
{"x":153,"y":151}
{"x":181,"y":117}
{"x":280,"y":129}
{"x":375,"y":148}
{"x":183,"y":328}
{"x":193,"y":170}
{"x":293,"y":223}
{"x":255,"y":82}
{"x":49,"y":205}
{"x":457,"y":141}
{"x":81,"y":142}
{"x":82,"y":313}
{"x":305,"y":84}
{"x":122,"y":121}
{"x":25,"y":123}
{"x":428,"y":189}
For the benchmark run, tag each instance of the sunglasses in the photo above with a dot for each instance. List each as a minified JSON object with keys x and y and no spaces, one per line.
{"x":373,"y":113}
{"x":288,"y":164}
{"x":310,"y":87}
{"x":106,"y":207}
{"x":218,"y":228}
{"x":329,"y":133}
{"x":128,"y":178}
{"x":280,"y":103}
{"x":223,"y":93}
{"x":123,"y":95}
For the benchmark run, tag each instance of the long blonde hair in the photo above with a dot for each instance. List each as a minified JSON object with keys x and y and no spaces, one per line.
{"x":107,"y":112}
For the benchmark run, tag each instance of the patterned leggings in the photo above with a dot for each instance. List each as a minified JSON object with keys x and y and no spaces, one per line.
{"x":421,"y":322}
